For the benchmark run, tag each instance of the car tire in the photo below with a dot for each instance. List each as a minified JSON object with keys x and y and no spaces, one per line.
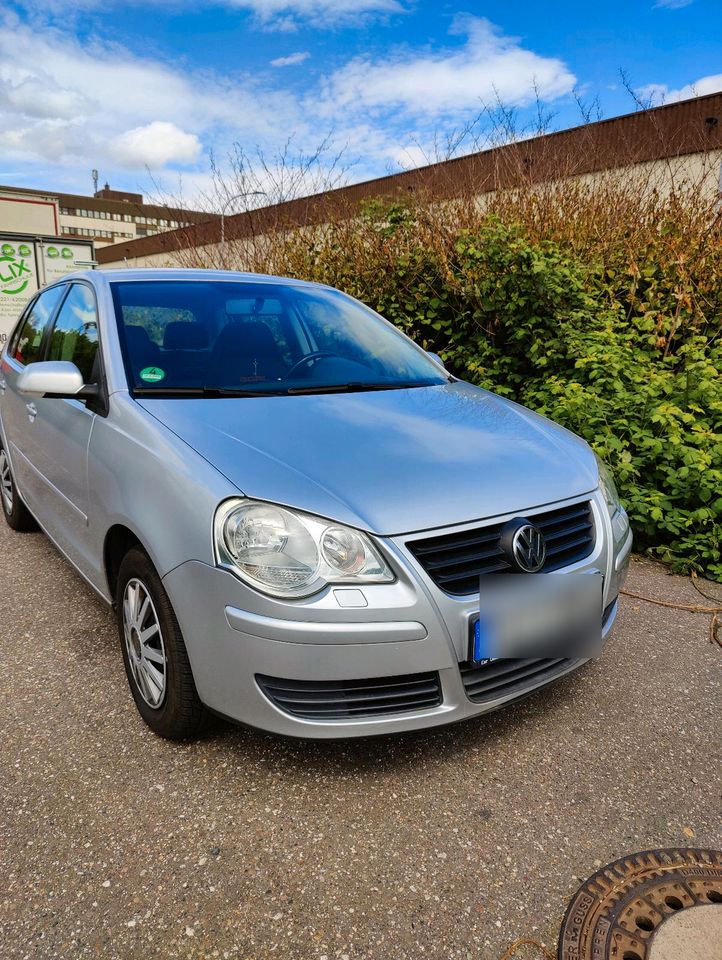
{"x":15,"y":512}
{"x":154,"y":653}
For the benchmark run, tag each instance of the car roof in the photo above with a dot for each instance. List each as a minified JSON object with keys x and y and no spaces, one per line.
{"x":177,"y":273}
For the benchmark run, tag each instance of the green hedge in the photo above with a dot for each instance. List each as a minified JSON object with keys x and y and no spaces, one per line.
{"x":624,"y":350}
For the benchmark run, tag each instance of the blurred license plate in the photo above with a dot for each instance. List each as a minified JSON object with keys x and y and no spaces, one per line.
{"x":537,"y":615}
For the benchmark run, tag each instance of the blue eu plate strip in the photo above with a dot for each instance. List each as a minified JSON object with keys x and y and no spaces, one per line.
{"x":481,"y":643}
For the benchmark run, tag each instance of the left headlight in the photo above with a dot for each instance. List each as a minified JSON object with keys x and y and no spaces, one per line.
{"x":608,"y":488}
{"x":289,"y":554}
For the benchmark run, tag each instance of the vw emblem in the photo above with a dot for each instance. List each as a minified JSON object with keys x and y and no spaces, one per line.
{"x":523,"y":545}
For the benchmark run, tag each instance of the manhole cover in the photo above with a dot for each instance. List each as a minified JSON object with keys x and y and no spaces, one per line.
{"x":616,"y":913}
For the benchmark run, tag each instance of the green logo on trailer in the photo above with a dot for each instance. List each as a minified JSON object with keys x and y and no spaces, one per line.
{"x":24,"y":250}
{"x":66,"y":253}
{"x":8,"y":250}
{"x":53,"y":252}
{"x":15,"y":274}
{"x":152,"y":374}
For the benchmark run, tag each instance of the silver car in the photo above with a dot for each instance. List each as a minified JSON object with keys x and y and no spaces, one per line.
{"x":299,"y":516}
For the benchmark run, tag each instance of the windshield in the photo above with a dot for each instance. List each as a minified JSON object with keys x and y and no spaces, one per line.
{"x":211,"y":338}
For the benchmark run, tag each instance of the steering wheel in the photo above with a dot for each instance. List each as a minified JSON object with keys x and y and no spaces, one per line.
{"x":309,"y":358}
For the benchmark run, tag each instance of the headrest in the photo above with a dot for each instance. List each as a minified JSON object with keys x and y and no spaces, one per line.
{"x":180,"y":335}
{"x":137,"y":337}
{"x":248,"y":339}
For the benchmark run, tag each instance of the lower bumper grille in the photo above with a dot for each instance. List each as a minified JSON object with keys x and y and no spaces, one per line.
{"x":508,"y":678}
{"x":513,"y":678}
{"x":339,"y":699}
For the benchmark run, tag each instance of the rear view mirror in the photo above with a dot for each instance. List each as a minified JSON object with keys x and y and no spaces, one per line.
{"x":51,"y":378}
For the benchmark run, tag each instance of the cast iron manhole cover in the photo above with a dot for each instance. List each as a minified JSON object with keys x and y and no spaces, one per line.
{"x":616,"y":913}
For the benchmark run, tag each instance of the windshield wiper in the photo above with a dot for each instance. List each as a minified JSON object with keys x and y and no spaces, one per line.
{"x":214,"y":392}
{"x":354,"y":387}
{"x":233,"y":392}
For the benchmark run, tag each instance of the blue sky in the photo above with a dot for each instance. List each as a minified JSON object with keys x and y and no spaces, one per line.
{"x":146,"y":91}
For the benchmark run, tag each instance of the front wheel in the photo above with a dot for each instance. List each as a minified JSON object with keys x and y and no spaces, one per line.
{"x":16,"y":513}
{"x":154,"y":653}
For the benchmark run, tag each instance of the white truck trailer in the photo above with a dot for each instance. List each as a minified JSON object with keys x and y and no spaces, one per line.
{"x":29,"y":262}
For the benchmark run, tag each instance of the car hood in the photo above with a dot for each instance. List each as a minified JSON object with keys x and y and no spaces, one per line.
{"x":390,"y":462}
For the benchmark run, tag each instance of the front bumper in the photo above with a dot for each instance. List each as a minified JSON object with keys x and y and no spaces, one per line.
{"x":252,"y":655}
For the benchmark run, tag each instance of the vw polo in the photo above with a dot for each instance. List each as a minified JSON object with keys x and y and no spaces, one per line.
{"x":299,"y":516}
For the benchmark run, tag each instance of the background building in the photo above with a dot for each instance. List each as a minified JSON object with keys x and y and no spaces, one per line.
{"x":660,"y":149}
{"x":110,"y":216}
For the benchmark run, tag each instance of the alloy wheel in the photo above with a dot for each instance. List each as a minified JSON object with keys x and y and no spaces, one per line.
{"x":6,"y":483}
{"x":144,"y":643}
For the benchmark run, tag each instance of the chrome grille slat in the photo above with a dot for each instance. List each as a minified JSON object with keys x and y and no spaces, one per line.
{"x":454,"y":561}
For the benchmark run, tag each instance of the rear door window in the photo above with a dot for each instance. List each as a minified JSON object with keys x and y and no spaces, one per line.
{"x":29,"y":342}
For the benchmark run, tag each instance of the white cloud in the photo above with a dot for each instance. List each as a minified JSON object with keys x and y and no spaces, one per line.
{"x":270,"y":14}
{"x":286,"y":13}
{"x":97,"y":104}
{"x":410,"y":157}
{"x":452,"y":81}
{"x":673,"y":4}
{"x":155,"y":145}
{"x":658,"y":93}
{"x":67,"y":106}
{"x":291,"y":60}
{"x":35,"y":97}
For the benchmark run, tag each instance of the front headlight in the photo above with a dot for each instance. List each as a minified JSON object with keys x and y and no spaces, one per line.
{"x":290,"y":554}
{"x":608,"y":488}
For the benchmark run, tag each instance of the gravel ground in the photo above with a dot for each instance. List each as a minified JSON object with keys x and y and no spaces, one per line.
{"x":114,"y":843}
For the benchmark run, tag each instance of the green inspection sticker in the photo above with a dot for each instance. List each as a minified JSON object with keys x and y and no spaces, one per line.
{"x":152,"y":374}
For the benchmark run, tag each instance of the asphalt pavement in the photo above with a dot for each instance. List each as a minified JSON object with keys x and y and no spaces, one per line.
{"x":449,"y":844}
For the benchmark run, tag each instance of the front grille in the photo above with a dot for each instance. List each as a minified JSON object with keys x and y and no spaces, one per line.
{"x":454,"y":561}
{"x":339,"y":699}
{"x":508,"y":678}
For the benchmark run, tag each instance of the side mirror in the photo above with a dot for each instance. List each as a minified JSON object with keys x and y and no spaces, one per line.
{"x":435,"y":356}
{"x":51,"y":378}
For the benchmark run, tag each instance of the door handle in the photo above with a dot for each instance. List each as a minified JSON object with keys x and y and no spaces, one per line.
{"x":2,"y":386}
{"x":32,"y":411}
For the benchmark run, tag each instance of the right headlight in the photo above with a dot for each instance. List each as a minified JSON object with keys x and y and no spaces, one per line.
{"x":608,"y":488}
{"x":289,"y":554}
